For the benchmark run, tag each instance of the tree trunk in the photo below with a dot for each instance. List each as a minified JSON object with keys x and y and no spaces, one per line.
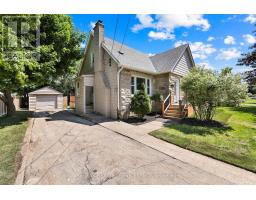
{"x":9,"y":103}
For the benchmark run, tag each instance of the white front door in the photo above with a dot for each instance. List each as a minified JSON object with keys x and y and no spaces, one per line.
{"x":176,"y":91}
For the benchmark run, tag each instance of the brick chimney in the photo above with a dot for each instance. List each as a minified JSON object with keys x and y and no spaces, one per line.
{"x":98,"y":39}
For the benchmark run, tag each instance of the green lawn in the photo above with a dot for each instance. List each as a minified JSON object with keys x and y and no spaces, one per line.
{"x":235,"y":144}
{"x":12,"y":131}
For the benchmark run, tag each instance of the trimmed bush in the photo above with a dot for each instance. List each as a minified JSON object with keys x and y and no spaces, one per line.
{"x":141,"y":103}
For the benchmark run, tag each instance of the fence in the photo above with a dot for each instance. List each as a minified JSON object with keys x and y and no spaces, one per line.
{"x":3,"y":108}
{"x":71,"y":102}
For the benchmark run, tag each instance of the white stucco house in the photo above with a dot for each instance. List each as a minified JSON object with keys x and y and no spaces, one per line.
{"x":111,"y":73}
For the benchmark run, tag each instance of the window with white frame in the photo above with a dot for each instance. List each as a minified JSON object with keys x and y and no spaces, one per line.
{"x":137,"y":84}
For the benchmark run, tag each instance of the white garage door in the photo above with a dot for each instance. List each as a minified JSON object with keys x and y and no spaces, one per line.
{"x":45,"y":102}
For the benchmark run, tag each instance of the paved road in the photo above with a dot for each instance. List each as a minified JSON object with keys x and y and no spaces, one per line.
{"x":66,"y":149}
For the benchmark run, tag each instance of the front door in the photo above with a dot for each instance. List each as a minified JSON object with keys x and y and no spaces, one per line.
{"x":176,"y":91}
{"x":89,"y":99}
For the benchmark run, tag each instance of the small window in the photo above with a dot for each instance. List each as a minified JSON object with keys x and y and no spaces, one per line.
{"x":132,"y":85}
{"x":148,"y":86}
{"x":109,"y":62}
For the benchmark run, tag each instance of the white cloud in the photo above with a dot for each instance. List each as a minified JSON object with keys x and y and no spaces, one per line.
{"x":228,"y":54}
{"x":250,"y":39}
{"x":170,"y":22}
{"x":205,"y":65}
{"x":146,"y":21}
{"x":198,"y":49}
{"x":210,"y":38}
{"x":229,"y":40}
{"x":229,"y":18}
{"x":167,"y":23}
{"x":160,"y":35}
{"x":91,"y":25}
{"x":241,"y":43}
{"x":151,"y":54}
{"x":251,"y":19}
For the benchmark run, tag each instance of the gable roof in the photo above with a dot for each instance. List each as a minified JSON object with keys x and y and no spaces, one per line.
{"x":130,"y":58}
{"x":136,"y":60}
{"x":45,"y":90}
{"x":166,"y":61}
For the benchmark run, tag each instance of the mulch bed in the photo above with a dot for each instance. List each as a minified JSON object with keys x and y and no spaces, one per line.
{"x":197,"y":122}
{"x":134,"y":120}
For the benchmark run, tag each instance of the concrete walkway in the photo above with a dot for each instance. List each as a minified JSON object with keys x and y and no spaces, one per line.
{"x":139,"y":133}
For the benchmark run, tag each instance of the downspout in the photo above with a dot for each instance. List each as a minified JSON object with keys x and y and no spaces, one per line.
{"x":118,"y":89}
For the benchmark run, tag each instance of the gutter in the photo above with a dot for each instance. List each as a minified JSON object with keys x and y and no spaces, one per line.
{"x":118,"y":86}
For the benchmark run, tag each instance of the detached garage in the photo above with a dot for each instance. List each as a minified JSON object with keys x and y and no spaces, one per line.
{"x":45,"y":99}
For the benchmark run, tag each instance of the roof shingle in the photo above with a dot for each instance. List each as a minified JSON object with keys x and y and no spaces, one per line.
{"x":131,"y":58}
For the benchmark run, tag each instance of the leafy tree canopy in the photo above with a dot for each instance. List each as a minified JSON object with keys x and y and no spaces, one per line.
{"x":249,"y":59}
{"x":56,"y":55}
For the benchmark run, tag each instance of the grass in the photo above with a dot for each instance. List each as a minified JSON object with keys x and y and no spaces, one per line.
{"x":12,"y":131}
{"x":234,"y":143}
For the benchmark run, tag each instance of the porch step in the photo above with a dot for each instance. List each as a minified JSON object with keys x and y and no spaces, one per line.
{"x":173,"y":112}
{"x":172,"y":117}
{"x":174,"y":106}
{"x":178,"y":115}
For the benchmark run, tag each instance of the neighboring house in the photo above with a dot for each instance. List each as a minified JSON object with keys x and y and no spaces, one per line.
{"x":45,"y":99}
{"x":111,"y":73}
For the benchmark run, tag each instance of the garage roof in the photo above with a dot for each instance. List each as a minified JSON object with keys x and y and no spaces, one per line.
{"x":45,"y":90}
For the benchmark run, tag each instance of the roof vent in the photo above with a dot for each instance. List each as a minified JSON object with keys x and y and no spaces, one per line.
{"x":120,"y":52}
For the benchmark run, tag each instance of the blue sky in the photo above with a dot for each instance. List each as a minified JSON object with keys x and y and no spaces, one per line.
{"x":216,"y":41}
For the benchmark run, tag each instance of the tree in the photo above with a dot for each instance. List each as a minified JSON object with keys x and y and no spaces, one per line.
{"x":59,"y":51}
{"x":249,"y":59}
{"x":13,"y":67}
{"x":205,"y":90}
{"x":232,"y":88}
{"x":202,"y":90}
{"x":140,"y":103}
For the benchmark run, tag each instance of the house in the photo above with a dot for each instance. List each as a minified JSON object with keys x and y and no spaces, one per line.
{"x":111,"y":73}
{"x":45,"y":99}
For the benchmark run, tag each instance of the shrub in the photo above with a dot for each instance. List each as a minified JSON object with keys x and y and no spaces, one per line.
{"x":141,"y":104}
{"x":157,"y":97}
{"x":233,"y":91}
{"x":205,"y":90}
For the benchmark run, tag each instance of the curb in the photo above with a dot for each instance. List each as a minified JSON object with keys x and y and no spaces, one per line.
{"x":24,"y":153}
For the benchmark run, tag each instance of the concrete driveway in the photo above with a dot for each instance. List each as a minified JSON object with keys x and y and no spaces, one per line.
{"x":66,"y":149}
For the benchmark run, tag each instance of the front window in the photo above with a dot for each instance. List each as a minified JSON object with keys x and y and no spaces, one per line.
{"x":132,"y":85}
{"x":137,"y":84}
